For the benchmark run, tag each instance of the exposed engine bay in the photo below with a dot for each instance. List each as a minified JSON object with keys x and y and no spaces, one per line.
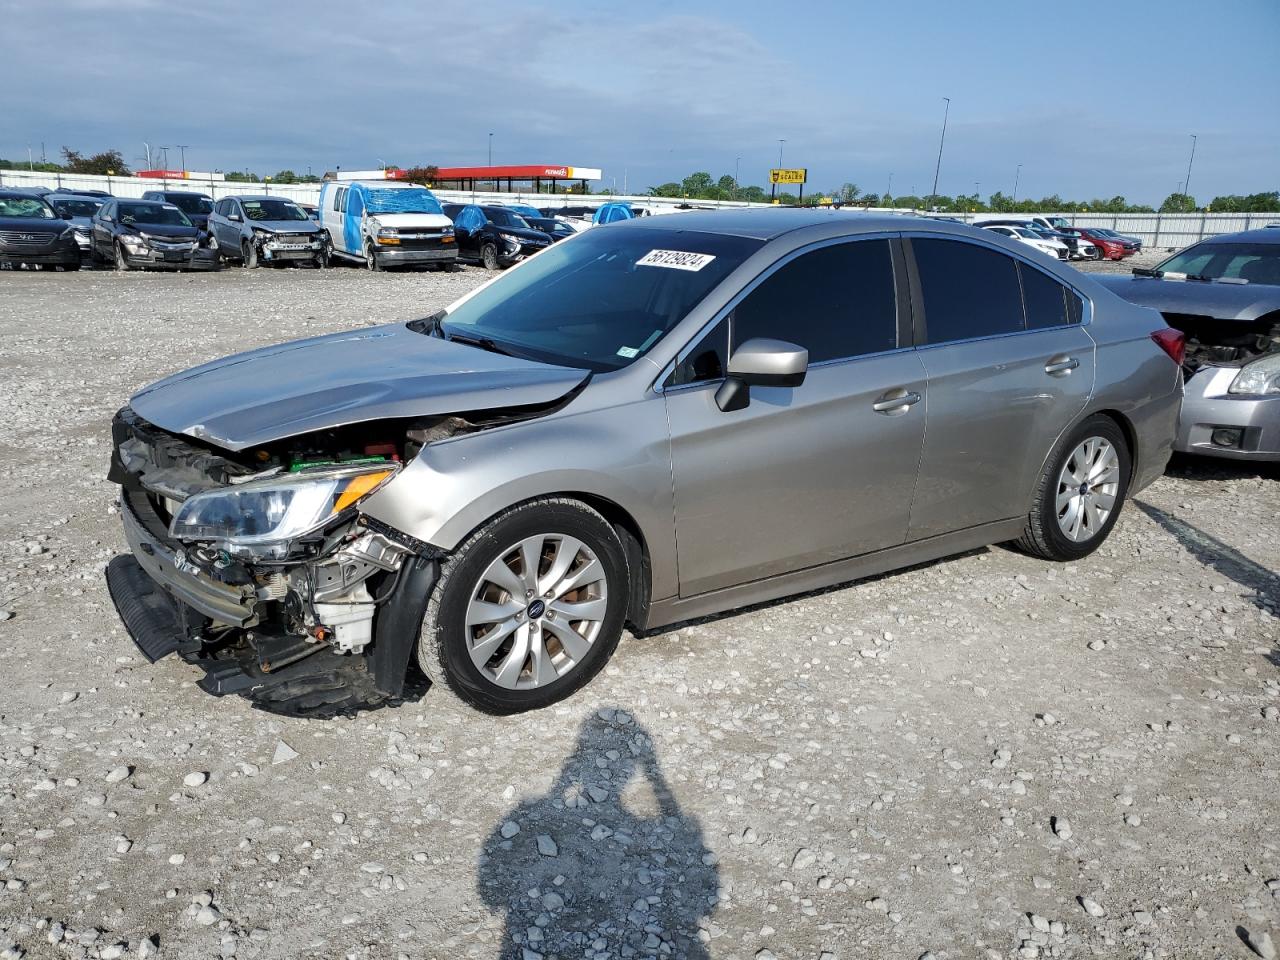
{"x":268,"y":605}
{"x":1225,"y":343}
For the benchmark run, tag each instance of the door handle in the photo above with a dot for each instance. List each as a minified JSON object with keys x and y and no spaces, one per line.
{"x":1061,"y":365}
{"x":896,"y":401}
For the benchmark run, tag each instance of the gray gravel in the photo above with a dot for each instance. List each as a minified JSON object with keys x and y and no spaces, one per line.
{"x":988,"y":756}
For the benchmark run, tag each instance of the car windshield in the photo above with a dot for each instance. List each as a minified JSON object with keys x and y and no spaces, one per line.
{"x":190,"y":202}
{"x":600,"y":299}
{"x":32,"y":207}
{"x":272,"y":210}
{"x":505,"y":218}
{"x":524,"y":209}
{"x":77,"y":208}
{"x":1254,"y":262}
{"x":163,"y":214}
{"x":1024,"y":232}
{"x":403,"y":200}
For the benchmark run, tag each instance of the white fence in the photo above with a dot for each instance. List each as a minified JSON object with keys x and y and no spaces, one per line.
{"x":1157,"y":230}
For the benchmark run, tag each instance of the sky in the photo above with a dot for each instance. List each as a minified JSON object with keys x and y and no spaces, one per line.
{"x":1092,"y":99}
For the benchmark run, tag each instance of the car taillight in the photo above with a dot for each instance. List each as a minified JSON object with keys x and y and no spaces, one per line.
{"x":1173,"y":342}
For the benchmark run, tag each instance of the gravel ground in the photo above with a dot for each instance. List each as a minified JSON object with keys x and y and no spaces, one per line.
{"x":988,"y":756}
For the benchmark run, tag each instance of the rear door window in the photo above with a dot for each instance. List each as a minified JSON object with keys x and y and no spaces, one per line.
{"x":969,"y":291}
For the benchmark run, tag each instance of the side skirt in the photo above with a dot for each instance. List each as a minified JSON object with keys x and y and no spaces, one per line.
{"x":665,"y":612}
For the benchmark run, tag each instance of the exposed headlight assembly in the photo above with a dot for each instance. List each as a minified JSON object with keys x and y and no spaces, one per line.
{"x":134,"y":240}
{"x":260,"y":517}
{"x":1259,"y":378}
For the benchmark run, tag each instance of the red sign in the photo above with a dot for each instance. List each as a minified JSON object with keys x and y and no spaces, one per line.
{"x":518,"y":172}
{"x":163,"y":174}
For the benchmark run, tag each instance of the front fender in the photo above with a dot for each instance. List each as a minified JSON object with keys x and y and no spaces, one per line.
{"x":620,"y":454}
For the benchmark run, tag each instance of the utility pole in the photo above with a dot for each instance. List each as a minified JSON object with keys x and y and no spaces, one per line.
{"x":1016,"y":176}
{"x":147,"y":146}
{"x":938,"y":167}
{"x":736,"y":162}
{"x":1186,"y":190}
{"x":31,"y":164}
{"x":888,"y":191}
{"x":780,"y":143}
{"x":182,"y":147}
{"x":491,"y":149}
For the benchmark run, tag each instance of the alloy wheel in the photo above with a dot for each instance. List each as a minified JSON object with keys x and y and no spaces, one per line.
{"x":536,"y":611}
{"x":1087,"y":488}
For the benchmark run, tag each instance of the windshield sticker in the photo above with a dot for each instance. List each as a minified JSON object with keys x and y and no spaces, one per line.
{"x":675,"y":260}
{"x":629,"y":353}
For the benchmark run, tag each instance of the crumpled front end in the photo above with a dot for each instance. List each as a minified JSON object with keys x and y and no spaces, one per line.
{"x":289,"y":616}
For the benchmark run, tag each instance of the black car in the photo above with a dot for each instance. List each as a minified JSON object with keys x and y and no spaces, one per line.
{"x":148,"y":233}
{"x":197,"y":206}
{"x":494,"y":236}
{"x":32,"y":233}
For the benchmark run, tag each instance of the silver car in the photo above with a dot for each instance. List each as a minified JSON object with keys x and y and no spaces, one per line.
{"x":651,"y":421}
{"x":1224,"y":294}
{"x":256,"y":230}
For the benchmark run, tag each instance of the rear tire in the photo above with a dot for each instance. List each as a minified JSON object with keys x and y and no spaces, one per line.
{"x":499,"y":649}
{"x":1080,"y":493}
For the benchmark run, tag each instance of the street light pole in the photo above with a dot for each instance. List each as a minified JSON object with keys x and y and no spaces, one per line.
{"x":780,"y":143}
{"x":938,"y":167}
{"x":182,"y":147}
{"x":1016,"y":176}
{"x":736,"y":162}
{"x":491,"y":149}
{"x":1186,"y":188}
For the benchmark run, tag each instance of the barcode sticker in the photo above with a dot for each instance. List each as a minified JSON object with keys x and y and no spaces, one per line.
{"x":675,"y":260}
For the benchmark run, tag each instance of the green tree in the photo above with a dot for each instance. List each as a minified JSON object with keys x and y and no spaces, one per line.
{"x":98,"y":163}
{"x":426,"y":174}
{"x":241,"y":176}
{"x":285,"y":176}
{"x":696,"y":184}
{"x":847,"y":193}
{"x":669,"y":189}
{"x":1178,"y":203}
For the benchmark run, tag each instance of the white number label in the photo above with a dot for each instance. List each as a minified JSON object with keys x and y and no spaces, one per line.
{"x":675,"y":260}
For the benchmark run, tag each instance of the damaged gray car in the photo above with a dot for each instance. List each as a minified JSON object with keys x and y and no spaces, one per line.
{"x":668,"y":418}
{"x":1224,"y":294}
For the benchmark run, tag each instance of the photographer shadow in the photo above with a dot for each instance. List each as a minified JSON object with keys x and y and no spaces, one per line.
{"x":605,"y":860}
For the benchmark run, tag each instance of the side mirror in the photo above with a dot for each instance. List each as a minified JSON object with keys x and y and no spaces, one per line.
{"x":763,"y":363}
{"x":67,"y":216}
{"x":233,"y":217}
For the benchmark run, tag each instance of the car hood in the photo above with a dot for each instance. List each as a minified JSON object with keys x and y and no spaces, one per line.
{"x":32,"y":223}
{"x":1226,"y":301}
{"x":412,"y":221}
{"x":521,"y":233}
{"x":376,"y":373}
{"x":285,"y":226}
{"x":163,"y":231}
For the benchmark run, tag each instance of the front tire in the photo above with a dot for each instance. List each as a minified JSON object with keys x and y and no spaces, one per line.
{"x":122,"y":258}
{"x":371,"y":258}
{"x":248,"y":254}
{"x":528,"y":609}
{"x":489,"y":257}
{"x":1080,"y":493}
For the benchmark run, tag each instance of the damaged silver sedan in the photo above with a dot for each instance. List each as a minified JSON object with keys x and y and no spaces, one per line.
{"x":1224,"y":295}
{"x":648,"y":422}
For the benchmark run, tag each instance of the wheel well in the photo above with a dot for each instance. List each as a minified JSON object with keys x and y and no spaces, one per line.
{"x":633,"y":544}
{"x":1130,"y":438}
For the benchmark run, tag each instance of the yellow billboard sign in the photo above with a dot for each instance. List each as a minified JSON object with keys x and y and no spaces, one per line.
{"x":788,"y":176}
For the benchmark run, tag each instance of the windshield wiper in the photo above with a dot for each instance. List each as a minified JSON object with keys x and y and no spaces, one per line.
{"x":484,"y":343}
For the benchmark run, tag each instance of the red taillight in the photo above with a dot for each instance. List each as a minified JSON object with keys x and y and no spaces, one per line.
{"x":1173,"y":342}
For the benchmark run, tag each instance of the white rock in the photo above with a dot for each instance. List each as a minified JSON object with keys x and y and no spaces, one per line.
{"x":509,"y":829}
{"x":284,"y":753}
{"x":118,"y":774}
{"x":195,"y":779}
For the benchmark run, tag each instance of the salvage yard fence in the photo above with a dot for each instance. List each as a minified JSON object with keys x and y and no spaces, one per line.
{"x":1163,"y":231}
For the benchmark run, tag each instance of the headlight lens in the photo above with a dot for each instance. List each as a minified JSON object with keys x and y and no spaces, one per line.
{"x":388,"y":232}
{"x":1258,"y":378}
{"x":270,"y":512}
{"x":447,"y":231}
{"x":133,"y":240}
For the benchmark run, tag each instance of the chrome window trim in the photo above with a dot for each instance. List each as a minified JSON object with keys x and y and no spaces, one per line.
{"x":659,"y":384}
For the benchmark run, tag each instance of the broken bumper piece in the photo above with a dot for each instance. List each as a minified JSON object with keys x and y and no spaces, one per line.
{"x":317,"y":683}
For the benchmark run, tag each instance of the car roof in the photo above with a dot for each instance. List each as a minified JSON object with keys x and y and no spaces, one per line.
{"x":181,"y":193}
{"x":81,"y":196}
{"x":16,"y":194}
{"x":150,"y":203}
{"x":768,"y":224}
{"x":260,"y":196}
{"x":1261,"y":235}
